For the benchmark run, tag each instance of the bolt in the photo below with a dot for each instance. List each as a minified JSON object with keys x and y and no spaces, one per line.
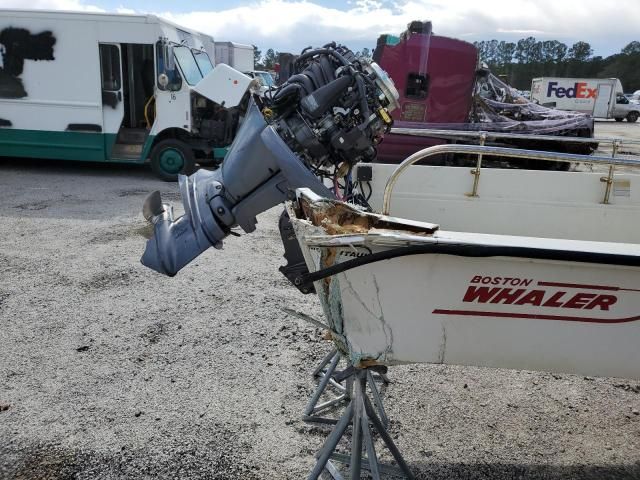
{"x":220,"y":210}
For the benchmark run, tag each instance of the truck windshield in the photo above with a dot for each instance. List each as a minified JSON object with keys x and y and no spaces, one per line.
{"x":204,"y":62}
{"x":188,"y":64}
{"x":266,"y":79}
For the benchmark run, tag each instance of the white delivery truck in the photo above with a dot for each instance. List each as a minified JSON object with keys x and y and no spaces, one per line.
{"x":241,"y":57}
{"x":599,"y":97}
{"x":118,"y":88}
{"x":235,"y":55}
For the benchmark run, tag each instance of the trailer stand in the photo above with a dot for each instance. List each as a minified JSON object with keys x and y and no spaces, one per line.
{"x":365,"y":421}
{"x":329,"y":376}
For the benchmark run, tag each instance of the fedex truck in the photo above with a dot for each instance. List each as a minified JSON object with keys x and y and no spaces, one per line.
{"x":114,"y":88}
{"x":599,"y":97}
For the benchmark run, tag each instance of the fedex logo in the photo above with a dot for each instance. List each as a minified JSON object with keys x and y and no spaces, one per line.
{"x":579,"y":90}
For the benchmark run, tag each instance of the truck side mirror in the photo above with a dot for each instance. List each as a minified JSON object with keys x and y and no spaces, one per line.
{"x":163,"y":80}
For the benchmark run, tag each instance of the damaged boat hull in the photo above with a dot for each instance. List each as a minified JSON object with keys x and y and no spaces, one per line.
{"x":478,"y":299}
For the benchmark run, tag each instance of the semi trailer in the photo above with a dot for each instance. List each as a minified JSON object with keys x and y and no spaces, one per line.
{"x":235,"y":55}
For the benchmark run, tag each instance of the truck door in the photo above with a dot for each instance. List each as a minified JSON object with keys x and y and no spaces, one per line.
{"x":601,"y":107}
{"x":112,"y":104}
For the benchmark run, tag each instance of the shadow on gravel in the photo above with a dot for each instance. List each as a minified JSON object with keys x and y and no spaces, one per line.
{"x":500,"y":471}
{"x":58,"y":189}
{"x":71,"y":167}
{"x":224,"y":460}
{"x":179,"y":461}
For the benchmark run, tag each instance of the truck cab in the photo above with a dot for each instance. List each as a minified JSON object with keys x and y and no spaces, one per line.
{"x":196,"y":108}
{"x":625,"y":109}
{"x":264,"y":79}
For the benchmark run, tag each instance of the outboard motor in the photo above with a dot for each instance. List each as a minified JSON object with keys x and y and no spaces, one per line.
{"x":328,"y":116}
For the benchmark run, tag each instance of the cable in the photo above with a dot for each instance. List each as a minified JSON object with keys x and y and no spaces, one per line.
{"x":466,"y":250}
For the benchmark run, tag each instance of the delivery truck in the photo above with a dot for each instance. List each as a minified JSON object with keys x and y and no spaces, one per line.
{"x":114,"y":88}
{"x":599,"y":97}
{"x":235,"y":55}
{"x":242,"y":58}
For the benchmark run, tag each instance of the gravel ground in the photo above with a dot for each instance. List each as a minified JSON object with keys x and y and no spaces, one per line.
{"x":623,"y":131}
{"x":111,"y":371}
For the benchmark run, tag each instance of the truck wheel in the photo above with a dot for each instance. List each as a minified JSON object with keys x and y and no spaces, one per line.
{"x":619,"y":119}
{"x":171,"y":157}
{"x":632,"y":117}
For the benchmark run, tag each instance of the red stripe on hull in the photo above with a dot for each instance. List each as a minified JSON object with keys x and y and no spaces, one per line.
{"x":588,"y":287}
{"x":533,"y":316}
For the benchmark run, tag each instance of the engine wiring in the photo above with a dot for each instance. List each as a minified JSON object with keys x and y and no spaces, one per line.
{"x":324,"y":132}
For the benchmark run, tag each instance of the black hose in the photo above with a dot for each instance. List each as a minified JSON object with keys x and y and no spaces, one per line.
{"x":303,"y":80}
{"x":466,"y":250}
{"x":322,"y":51}
{"x":364,"y":106}
{"x":288,"y":90}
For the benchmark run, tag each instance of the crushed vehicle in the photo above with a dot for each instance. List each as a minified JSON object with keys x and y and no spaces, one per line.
{"x":443,"y":86}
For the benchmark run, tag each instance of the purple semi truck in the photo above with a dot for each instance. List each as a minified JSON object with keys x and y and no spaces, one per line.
{"x":443,"y":86}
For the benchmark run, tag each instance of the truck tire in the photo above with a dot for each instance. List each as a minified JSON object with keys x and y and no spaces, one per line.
{"x":171,"y":157}
{"x":632,"y":117}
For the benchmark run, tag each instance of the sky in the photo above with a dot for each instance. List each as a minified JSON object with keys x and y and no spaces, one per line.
{"x":291,"y":25}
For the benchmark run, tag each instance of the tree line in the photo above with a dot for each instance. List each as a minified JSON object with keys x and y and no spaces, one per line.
{"x":528,"y":58}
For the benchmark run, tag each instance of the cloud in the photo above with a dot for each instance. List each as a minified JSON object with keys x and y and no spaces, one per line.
{"x":72,"y":5}
{"x":290,"y":25}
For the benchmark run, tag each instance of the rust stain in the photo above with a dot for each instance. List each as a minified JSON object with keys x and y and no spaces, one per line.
{"x":368,"y":362}
{"x":337,"y":218}
{"x":329,"y":255}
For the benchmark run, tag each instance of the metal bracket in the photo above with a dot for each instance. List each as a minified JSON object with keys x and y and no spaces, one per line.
{"x":476,"y":171}
{"x":609,"y":178}
{"x":296,"y":266}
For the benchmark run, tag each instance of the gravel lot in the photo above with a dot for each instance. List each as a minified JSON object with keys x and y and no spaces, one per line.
{"x":623,"y":131}
{"x":111,"y":371}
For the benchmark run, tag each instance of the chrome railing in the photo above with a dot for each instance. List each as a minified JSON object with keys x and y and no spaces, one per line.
{"x":483,"y":136}
{"x":512,"y":153}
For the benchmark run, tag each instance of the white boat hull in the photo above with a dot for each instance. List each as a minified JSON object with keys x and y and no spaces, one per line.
{"x":499,"y":311}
